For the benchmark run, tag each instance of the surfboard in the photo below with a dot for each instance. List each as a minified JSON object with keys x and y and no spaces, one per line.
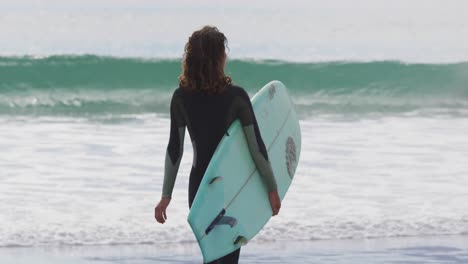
{"x":232,"y":205}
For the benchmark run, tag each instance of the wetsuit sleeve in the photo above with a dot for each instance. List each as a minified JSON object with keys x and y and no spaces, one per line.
{"x":175,"y":147}
{"x":254,"y":140}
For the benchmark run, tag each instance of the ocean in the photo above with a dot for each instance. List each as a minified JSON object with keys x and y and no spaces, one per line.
{"x":382,"y":96}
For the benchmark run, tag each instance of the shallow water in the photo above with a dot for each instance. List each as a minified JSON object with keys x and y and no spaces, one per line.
{"x":68,"y":181}
{"x":450,"y":249}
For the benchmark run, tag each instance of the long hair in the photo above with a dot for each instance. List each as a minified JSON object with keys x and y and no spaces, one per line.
{"x":203,"y":62}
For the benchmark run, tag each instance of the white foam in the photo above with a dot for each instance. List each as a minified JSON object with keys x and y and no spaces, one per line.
{"x":68,"y":181}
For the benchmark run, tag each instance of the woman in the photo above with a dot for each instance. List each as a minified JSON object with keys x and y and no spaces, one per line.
{"x":207,"y":102}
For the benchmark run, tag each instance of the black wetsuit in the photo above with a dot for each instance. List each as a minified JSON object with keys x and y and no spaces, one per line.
{"x":207,"y":118}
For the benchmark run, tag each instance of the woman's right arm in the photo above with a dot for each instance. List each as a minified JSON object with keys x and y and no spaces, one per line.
{"x":257,"y":148}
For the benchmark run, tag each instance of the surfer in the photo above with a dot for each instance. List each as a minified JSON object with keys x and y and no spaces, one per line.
{"x":207,"y":103}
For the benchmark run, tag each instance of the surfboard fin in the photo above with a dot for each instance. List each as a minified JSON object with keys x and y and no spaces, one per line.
{"x":227,"y":220}
{"x":216,"y":179}
{"x":215,"y":221}
{"x":220,"y":219}
{"x":240,"y":240}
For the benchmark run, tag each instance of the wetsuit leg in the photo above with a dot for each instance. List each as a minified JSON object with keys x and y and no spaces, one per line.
{"x":232,"y":258}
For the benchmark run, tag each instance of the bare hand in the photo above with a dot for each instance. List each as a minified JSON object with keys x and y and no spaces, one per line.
{"x":160,"y":210}
{"x":275,"y":202}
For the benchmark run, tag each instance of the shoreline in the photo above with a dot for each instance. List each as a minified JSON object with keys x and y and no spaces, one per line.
{"x":422,"y":249}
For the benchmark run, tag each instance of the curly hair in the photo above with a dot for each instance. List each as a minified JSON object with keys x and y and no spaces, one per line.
{"x":203,"y":62}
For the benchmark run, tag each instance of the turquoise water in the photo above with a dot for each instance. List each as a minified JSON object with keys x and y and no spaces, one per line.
{"x":93,"y":85}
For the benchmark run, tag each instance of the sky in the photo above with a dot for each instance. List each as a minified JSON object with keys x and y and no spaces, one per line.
{"x":294,"y":30}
